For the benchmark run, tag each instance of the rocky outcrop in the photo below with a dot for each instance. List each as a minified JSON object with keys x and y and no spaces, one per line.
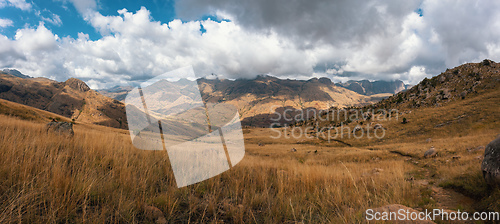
{"x":462,"y":82}
{"x":62,"y":128}
{"x":77,"y":84}
{"x":491,"y":163}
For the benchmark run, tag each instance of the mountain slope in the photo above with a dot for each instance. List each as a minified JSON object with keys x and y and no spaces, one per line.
{"x":72,"y":99}
{"x":462,"y":82}
{"x":28,"y":113}
{"x":458,"y":102}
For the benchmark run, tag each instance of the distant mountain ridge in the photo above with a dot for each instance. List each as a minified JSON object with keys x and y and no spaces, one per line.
{"x":366,"y":87}
{"x":363,"y":87}
{"x":258,"y":99}
{"x":117,"y":92}
{"x":15,"y":73}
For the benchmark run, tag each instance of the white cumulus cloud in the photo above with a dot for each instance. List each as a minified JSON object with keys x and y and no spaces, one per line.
{"x":20,"y":4}
{"x":53,"y":19}
{"x":5,"y":23}
{"x":85,"y":7}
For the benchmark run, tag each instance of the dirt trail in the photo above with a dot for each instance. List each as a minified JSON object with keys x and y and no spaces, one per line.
{"x":447,"y":198}
{"x":450,"y":199}
{"x":444,"y":198}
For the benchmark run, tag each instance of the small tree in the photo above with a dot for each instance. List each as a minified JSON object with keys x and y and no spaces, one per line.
{"x":404,"y":120}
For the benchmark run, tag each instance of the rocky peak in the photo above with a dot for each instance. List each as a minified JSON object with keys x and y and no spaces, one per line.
{"x":457,"y":83}
{"x":325,"y":80}
{"x":77,"y":84}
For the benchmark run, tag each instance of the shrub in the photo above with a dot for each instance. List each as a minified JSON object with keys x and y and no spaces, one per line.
{"x":400,"y":99}
{"x":486,"y":62}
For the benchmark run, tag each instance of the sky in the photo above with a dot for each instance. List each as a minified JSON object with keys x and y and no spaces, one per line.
{"x":124,"y":42}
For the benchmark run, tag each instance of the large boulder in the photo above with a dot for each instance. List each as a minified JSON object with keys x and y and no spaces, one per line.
{"x":62,"y":128}
{"x":430,"y":153}
{"x":491,"y":163}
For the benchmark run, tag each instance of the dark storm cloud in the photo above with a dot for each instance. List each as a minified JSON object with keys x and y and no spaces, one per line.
{"x":377,"y":38}
{"x":350,"y":22}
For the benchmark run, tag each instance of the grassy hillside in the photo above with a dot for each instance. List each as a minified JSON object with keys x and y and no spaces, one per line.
{"x":28,"y":113}
{"x":423,"y":111}
{"x":72,"y":99}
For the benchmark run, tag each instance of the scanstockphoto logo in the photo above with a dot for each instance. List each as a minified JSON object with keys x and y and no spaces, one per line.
{"x":331,"y":124}
{"x":202,"y":139}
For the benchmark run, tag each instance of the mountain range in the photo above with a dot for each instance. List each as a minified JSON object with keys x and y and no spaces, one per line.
{"x":256,"y":99}
{"x":366,"y":87}
{"x":363,"y":87}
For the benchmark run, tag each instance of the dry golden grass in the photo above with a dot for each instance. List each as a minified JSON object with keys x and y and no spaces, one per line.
{"x":98,"y":176}
{"x":49,"y":178}
{"x":27,"y":112}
